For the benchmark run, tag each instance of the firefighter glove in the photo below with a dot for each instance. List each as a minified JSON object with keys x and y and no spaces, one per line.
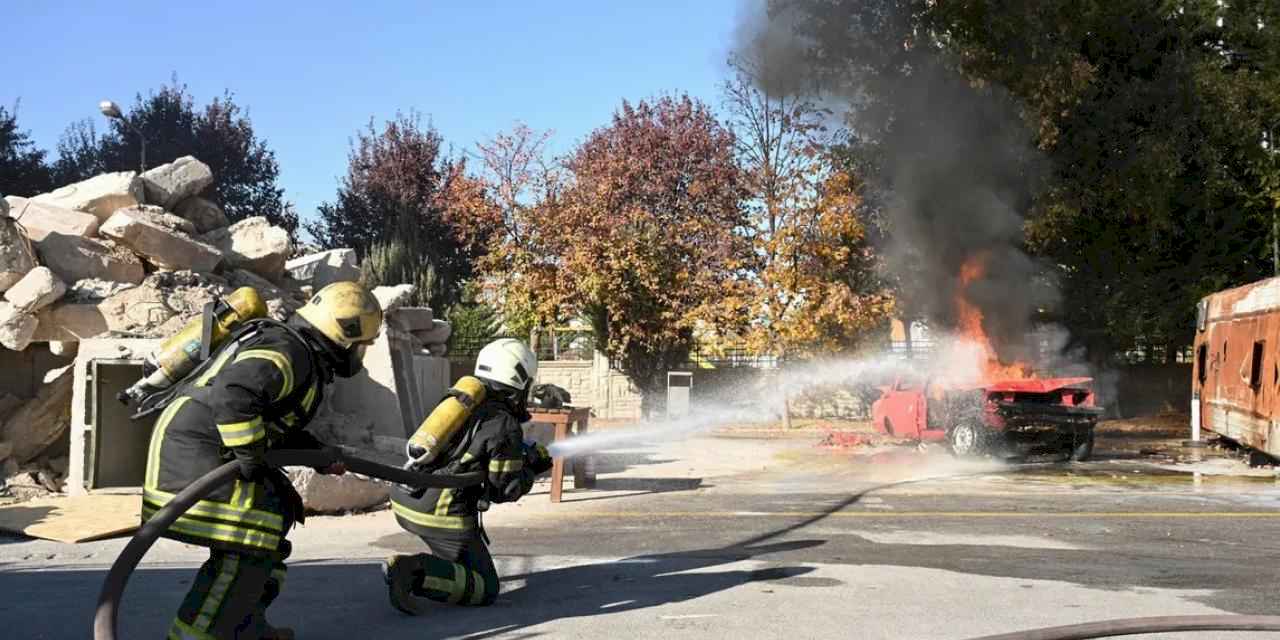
{"x":537,"y":458}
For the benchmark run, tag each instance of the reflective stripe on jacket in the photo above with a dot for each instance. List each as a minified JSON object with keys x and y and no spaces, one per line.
{"x":493,"y":441}
{"x":236,"y":409}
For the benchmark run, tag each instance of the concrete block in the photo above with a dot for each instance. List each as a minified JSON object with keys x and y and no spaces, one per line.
{"x":16,"y":254}
{"x":253,"y":244}
{"x":161,"y":246}
{"x":37,"y":290}
{"x":392,"y":298}
{"x":41,"y":219}
{"x":100,"y":195}
{"x":17,"y":327}
{"x":438,"y":333}
{"x":158,"y":215}
{"x":336,"y":494}
{"x":205,"y":215}
{"x":411,"y":319}
{"x":169,"y":184}
{"x":324,"y":268}
{"x":43,"y":420}
{"x":70,"y":322}
{"x":74,"y":258}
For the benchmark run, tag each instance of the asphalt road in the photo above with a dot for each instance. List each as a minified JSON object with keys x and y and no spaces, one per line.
{"x":708,"y":539}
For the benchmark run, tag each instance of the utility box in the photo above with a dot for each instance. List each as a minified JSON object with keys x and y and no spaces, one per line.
{"x":679,"y":384}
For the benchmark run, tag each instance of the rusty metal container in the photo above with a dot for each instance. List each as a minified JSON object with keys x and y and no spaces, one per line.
{"x":1235,"y":381}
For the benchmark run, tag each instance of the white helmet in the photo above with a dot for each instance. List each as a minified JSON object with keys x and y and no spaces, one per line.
{"x":508,"y":362}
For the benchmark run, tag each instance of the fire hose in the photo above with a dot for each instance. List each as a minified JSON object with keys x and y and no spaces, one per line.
{"x":104,"y":620}
{"x":1143,"y":626}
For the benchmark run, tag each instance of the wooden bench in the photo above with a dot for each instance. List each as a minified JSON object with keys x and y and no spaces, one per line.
{"x":563,"y":419}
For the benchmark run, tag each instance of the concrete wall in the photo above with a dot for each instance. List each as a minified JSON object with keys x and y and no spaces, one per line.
{"x":398,"y":387}
{"x":592,"y":383}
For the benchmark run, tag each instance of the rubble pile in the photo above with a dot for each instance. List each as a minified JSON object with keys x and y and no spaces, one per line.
{"x":137,"y":256}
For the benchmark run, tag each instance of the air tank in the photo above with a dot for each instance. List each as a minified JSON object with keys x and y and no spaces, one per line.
{"x":180,"y":353}
{"x":437,"y":430}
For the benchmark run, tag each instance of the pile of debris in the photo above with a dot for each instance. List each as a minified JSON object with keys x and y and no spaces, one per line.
{"x":137,"y":256}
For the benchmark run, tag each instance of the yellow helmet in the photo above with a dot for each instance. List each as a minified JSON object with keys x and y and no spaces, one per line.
{"x":345,"y":312}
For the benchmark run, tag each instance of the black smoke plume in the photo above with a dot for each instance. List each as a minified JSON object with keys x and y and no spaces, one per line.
{"x":953,"y":163}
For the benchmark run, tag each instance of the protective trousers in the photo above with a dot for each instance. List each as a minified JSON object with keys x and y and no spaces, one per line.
{"x":457,"y":571}
{"x":229,"y":597}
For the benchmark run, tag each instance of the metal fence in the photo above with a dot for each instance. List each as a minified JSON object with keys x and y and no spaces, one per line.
{"x":567,"y":345}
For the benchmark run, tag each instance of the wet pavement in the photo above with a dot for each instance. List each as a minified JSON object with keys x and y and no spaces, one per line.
{"x":727,"y":537}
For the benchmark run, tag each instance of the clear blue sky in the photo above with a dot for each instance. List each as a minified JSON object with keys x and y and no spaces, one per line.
{"x":312,"y":73}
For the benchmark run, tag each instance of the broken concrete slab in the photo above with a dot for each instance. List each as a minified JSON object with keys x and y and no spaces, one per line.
{"x":70,"y":322}
{"x":392,"y":298}
{"x":159,"y":307}
{"x":36,"y":290}
{"x":43,"y":420}
{"x":169,"y":184}
{"x":324,"y":268}
{"x":17,"y":327}
{"x":336,"y":494}
{"x":161,"y":217}
{"x":205,"y":215}
{"x":41,"y":218}
{"x":438,"y":333}
{"x":17,"y":256}
{"x":411,"y":319}
{"x":163,"y":247}
{"x":253,"y":244}
{"x":100,"y":195}
{"x":74,"y":258}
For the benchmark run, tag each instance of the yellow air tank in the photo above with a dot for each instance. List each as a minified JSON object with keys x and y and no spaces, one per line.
{"x":437,"y":430}
{"x":180,"y":353}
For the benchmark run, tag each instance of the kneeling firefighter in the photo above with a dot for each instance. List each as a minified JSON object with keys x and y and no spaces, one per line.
{"x":486,"y":413}
{"x":257,"y":391}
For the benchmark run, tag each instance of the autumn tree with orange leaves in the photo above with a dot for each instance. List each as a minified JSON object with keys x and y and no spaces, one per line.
{"x":813,"y":285}
{"x":651,"y":230}
{"x":514,"y":218}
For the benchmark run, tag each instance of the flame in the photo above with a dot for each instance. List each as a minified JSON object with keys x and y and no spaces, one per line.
{"x":969,"y":326}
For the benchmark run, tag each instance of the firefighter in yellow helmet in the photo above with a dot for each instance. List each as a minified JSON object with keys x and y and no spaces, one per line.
{"x":258,"y":391}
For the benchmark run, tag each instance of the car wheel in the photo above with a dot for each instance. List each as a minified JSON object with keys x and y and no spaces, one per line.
{"x":1081,"y":447}
{"x":967,"y":439}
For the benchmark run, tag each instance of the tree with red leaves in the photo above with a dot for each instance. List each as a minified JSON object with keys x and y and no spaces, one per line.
{"x":652,"y":233}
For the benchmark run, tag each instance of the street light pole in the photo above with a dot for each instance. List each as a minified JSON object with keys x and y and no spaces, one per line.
{"x":112,"y":110}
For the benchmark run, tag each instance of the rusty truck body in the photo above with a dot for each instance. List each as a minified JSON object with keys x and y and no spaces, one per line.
{"x":1235,"y":380}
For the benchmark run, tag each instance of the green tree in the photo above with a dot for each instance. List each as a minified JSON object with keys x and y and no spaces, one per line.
{"x":220,"y":134}
{"x":398,"y":197}
{"x":1158,"y":120}
{"x":23,"y":171}
{"x":473,"y":321}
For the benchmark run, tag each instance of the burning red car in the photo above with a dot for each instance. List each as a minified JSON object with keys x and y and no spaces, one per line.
{"x":1034,"y":415}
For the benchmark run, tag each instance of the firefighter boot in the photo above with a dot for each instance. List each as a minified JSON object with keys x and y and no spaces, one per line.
{"x":403,"y":575}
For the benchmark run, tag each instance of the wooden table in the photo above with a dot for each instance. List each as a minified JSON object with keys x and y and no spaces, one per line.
{"x":562,"y":419}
